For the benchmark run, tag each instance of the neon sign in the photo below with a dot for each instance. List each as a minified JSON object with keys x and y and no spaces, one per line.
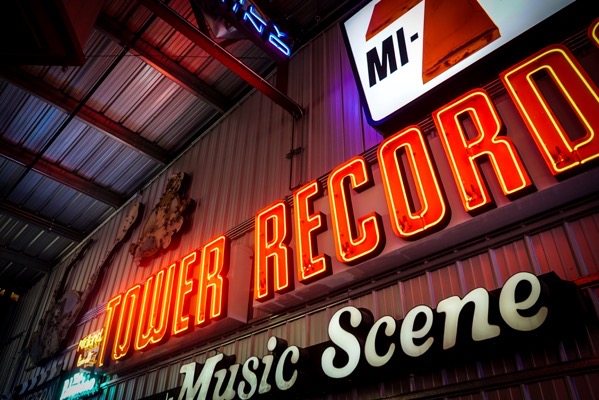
{"x":143,"y":315}
{"x":418,"y":209}
{"x":560,"y":152}
{"x":198,"y":286}
{"x":463,"y":152}
{"x":246,"y":13}
{"x":89,"y":347}
{"x":81,"y":384}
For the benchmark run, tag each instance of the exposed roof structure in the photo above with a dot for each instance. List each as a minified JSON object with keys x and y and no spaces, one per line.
{"x":78,"y":141}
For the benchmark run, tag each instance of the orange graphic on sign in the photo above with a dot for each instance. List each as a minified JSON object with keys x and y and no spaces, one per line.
{"x":453,"y":30}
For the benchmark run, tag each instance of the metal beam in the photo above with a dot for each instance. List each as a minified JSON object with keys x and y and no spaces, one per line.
{"x":222,"y":11}
{"x":222,"y":56}
{"x":42,"y":222}
{"x":60,"y":175}
{"x":46,"y":92}
{"x":162,"y":63}
{"x":25,"y":260}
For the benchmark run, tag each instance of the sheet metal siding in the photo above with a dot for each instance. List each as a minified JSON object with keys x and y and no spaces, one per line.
{"x":29,"y":123}
{"x":75,"y":81}
{"x":333,"y":129}
{"x":13,"y":353}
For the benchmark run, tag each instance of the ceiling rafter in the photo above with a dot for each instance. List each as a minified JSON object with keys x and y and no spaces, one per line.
{"x":87,"y":114}
{"x":23,"y":259}
{"x":223,"y":56}
{"x":163,"y":63}
{"x":42,"y":222}
{"x":61,"y":175}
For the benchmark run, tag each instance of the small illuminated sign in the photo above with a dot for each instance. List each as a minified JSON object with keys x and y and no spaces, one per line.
{"x":80,"y":385}
{"x":401,"y":49}
{"x":248,"y":14}
{"x":88,"y":349}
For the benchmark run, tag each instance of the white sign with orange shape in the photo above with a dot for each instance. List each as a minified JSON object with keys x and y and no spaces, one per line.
{"x":401,"y":49}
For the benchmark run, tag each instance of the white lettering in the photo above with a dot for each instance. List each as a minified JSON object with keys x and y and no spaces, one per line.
{"x":346,"y":341}
{"x":452,"y":307}
{"x":509,"y":307}
{"x":293,"y":354}
{"x":250,"y":377}
{"x":220,"y":375}
{"x":408,"y":334}
{"x":370,"y":347}
{"x":192,"y":390}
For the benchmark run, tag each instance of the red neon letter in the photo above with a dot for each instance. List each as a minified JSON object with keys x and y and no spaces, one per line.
{"x":308,"y":224}
{"x":110,"y":312}
{"x":355,"y":241}
{"x":273,"y":234}
{"x":406,"y":221}
{"x":463,"y":152}
{"x":559,"y":151}
{"x":155,"y":308}
{"x":184,"y":287}
{"x":124,"y":328}
{"x":214,"y":264}
{"x":594,"y":31}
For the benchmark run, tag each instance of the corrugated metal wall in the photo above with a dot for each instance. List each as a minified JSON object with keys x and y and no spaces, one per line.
{"x":241,"y":167}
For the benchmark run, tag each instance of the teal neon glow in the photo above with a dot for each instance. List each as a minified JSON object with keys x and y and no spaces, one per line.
{"x":81,"y":384}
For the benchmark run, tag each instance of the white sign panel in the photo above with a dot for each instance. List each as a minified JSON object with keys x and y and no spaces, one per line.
{"x":401,"y":49}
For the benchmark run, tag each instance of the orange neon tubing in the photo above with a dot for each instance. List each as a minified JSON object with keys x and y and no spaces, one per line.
{"x":212,"y":278}
{"x":406,"y":222}
{"x":463,"y":153}
{"x":355,"y":241}
{"x":308,"y":224}
{"x":559,"y":151}
{"x":272,"y":237}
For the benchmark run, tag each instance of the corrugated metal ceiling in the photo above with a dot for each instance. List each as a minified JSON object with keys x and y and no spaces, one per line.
{"x":76,"y":142}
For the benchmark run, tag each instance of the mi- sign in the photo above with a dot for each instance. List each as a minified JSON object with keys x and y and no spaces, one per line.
{"x":401,"y":49}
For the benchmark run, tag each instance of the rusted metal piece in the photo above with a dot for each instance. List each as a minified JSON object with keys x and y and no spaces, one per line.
{"x":67,"y":305}
{"x":166,"y":219}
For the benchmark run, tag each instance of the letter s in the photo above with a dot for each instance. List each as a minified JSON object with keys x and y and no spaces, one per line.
{"x":346,"y":341}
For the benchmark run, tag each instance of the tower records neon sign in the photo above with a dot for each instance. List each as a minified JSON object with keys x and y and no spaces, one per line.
{"x":192,"y":293}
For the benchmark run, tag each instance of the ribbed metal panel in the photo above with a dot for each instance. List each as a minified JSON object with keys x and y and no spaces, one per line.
{"x":26,"y":120}
{"x":9,"y":173}
{"x":76,"y":81}
{"x":90,"y":153}
{"x":170,"y":123}
{"x":59,"y":202}
{"x":16,"y":366}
